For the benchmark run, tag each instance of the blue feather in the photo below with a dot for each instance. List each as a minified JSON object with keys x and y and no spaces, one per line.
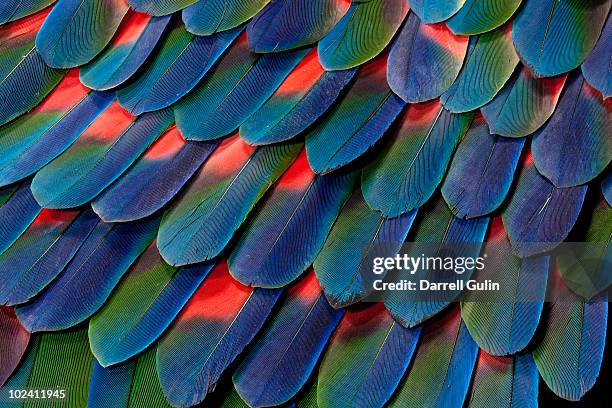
{"x":89,"y":278}
{"x":160,"y":8}
{"x":110,"y":386}
{"x":539,"y":215}
{"x":481,"y":172}
{"x":596,"y":68}
{"x":16,"y":215}
{"x":41,"y":253}
{"x":344,"y":272}
{"x":575,"y":146}
{"x":11,"y":10}
{"x":153,"y":180}
{"x":288,"y":231}
{"x":119,"y":62}
{"x":182,"y":61}
{"x":282,"y":360}
{"x":212,"y":16}
{"x":434,"y":11}
{"x":239,"y":84}
{"x":78,"y":175}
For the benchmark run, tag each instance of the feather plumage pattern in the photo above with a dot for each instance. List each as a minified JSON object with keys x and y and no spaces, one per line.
{"x":442,"y":369}
{"x":100,"y":155}
{"x":366,"y":359}
{"x":238,"y":85}
{"x":421,"y":45}
{"x":419,"y":150}
{"x":504,"y":382}
{"x":16,"y":214}
{"x":25,"y":79}
{"x":288,"y":230}
{"x":13,"y":342}
{"x":477,"y":16}
{"x":207,"y":17}
{"x":481,"y":172}
{"x":160,"y":7}
{"x":145,"y":303}
{"x":287,"y":24}
{"x":570,"y":354}
{"x":181,"y":62}
{"x":303,"y":97}
{"x":340,"y":269}
{"x":362,"y":33}
{"x":596,"y":68}
{"x":489,"y":64}
{"x":281,"y":361}
{"x":154,"y":179}
{"x":200,"y":224}
{"x":135,"y":41}
{"x":217,"y":323}
{"x":12,"y":10}
{"x":356,"y":122}
{"x":575,"y":146}
{"x":52,"y":359}
{"x":435,"y":11}
{"x":33,"y":140}
{"x":524,"y":104}
{"x":507,"y":325}
{"x":539,"y":215}
{"x":85,"y":284}
{"x":42,"y":252}
{"x":435,"y":231}
{"x":562,"y":43}
{"x":77,"y":30}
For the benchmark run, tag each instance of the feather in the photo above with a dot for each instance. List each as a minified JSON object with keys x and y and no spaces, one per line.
{"x":233,"y":400}
{"x":288,"y":230}
{"x":539,"y":215}
{"x":201,"y":222}
{"x":596,"y":68}
{"x":238,"y":85}
{"x":570,"y":33}
{"x":85,"y":284}
{"x":287,"y":24}
{"x":435,"y":233}
{"x":524,"y":104}
{"x":13,"y":342}
{"x":285,"y":355}
{"x":42,"y":252}
{"x":215,"y":326}
{"x":54,"y":361}
{"x":366,"y":359}
{"x":606,"y":188}
{"x":135,"y":41}
{"x":211,"y":16}
{"x":181,"y":62}
{"x":506,"y":324}
{"x":133,"y":384}
{"x":154,"y":179}
{"x":36,"y":138}
{"x":409,"y":169}
{"x":303,"y":97}
{"x":489,"y":64}
{"x":11,"y":10}
{"x":481,"y":172}
{"x":358,"y":234}
{"x":424,"y":60}
{"x":362,"y":33}
{"x":16,"y":214}
{"x":435,"y":11}
{"x":147,"y":300}
{"x":160,"y":7}
{"x":101,"y":154}
{"x":25,"y":79}
{"x":575,"y":146}
{"x":76,"y":31}
{"x":442,"y":369}
{"x":356,"y":123}
{"x":570,"y":353}
{"x":477,"y":17}
{"x":504,"y":382}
